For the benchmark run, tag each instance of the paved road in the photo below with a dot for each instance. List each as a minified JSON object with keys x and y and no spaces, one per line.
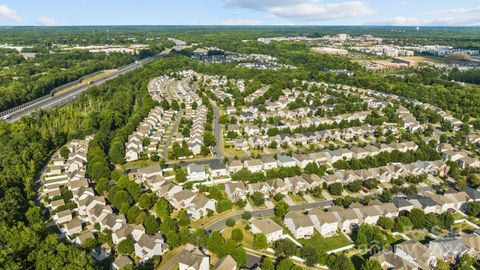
{"x":178,"y":118}
{"x":218,"y":147}
{"x":62,"y":99}
{"x":220,"y":224}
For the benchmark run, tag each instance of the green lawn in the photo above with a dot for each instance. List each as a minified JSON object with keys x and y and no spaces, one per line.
{"x":326,"y":244}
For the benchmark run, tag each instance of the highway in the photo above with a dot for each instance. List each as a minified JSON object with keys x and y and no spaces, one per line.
{"x":64,"y":98}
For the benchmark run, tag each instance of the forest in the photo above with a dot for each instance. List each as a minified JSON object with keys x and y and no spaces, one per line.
{"x":24,"y":79}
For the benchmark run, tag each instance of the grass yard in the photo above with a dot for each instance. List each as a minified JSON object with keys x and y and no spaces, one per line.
{"x":297,"y":198}
{"x":247,"y":234}
{"x":232,"y":152}
{"x":326,"y":244}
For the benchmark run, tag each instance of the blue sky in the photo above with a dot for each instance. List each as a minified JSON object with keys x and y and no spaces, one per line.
{"x":240,"y":12}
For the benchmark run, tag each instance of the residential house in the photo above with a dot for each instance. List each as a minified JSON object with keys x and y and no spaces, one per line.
{"x":416,"y":253}
{"x":402,"y":204}
{"x":236,"y":191}
{"x":121,"y":262}
{"x":73,"y":227}
{"x":253,"y":165}
{"x":325,"y":223}
{"x":182,"y":199}
{"x":200,"y":206}
{"x":217,"y":169}
{"x":135,"y":230}
{"x":262,"y":187}
{"x":389,"y":260}
{"x":277,"y":185}
{"x":296,"y":184}
{"x":235,"y":166}
{"x":63,"y":216}
{"x":150,"y":245}
{"x":302,"y":160}
{"x":447,"y":249}
{"x":193,"y":258}
{"x":424,"y":203}
{"x":226,"y":263}
{"x":472,"y":242}
{"x":299,"y":225}
{"x":272,"y":230}
{"x":286,"y":161}
{"x":196,"y":172}
{"x":269,"y":162}
{"x":101,"y":252}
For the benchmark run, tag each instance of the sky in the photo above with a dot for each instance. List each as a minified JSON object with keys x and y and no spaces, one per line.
{"x":240,"y":12}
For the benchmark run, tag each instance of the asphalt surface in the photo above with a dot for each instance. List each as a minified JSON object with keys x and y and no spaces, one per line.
{"x":218,"y":147}
{"x":220,"y":224}
{"x":62,"y":99}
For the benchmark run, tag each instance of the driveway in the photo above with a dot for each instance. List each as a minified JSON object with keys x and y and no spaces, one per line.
{"x":289,"y":201}
{"x":269,"y":204}
{"x":308,"y":198}
{"x":216,"y":128}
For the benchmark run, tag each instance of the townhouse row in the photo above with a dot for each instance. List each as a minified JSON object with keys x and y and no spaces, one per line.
{"x":196,"y":205}
{"x":91,"y":209}
{"x":151,"y":130}
{"x":306,"y":138}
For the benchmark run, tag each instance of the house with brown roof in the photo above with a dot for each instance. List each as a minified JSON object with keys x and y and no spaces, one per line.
{"x":73,"y":227}
{"x":261,"y":187}
{"x":235,"y":166}
{"x":135,"y":230}
{"x":193,"y":258}
{"x":200,"y":206}
{"x":150,"y":245}
{"x":389,"y":260}
{"x":296,"y":184}
{"x":236,"y":191}
{"x":416,"y":253}
{"x":253,"y":165}
{"x":269,"y":162}
{"x":226,"y":263}
{"x":121,"y":262}
{"x":63,"y":216}
{"x":325,"y":223}
{"x":299,"y":225}
{"x":267,"y":226}
{"x":277,"y":185}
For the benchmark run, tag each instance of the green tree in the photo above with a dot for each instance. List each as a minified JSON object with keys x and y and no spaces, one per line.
{"x":281,"y":209}
{"x":126,"y":246}
{"x":223,"y":205}
{"x":284,"y":248}
{"x":342,"y":262}
{"x":64,"y":152}
{"x":372,"y":264}
{"x":267,"y":264}
{"x":260,"y":241}
{"x":442,"y":265}
{"x":163,"y":208}
{"x":311,"y":255}
{"x":417,"y":217}
{"x":237,"y":235}
{"x":258,"y":198}
{"x":151,"y":225}
{"x":230,"y":222}
{"x":246,"y":215}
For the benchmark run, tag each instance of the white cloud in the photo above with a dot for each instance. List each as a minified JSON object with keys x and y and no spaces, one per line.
{"x":451,"y":17}
{"x":305,"y":10}
{"x":9,"y":14}
{"x":242,"y":22}
{"x":47,"y":21}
